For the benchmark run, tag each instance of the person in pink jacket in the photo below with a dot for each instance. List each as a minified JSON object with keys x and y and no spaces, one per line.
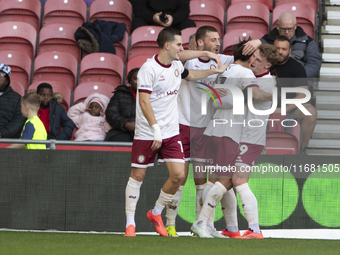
{"x":89,"y":117}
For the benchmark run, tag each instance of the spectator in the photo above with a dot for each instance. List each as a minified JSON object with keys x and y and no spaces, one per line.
{"x":288,"y":67}
{"x":89,"y":118}
{"x":303,"y":48}
{"x":161,"y":13}
{"x":34,"y":129}
{"x":121,"y":111}
{"x":53,"y":115}
{"x":192,"y":42}
{"x":11,"y":119}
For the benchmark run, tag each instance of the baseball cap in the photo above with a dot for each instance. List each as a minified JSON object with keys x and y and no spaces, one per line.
{"x":7,"y":70}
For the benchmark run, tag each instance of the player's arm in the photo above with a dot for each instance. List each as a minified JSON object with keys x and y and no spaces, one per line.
{"x":292,"y":107}
{"x":144,"y":102}
{"x":199,"y":74}
{"x":251,"y":46}
{"x":191,"y":54}
{"x":259,"y":94}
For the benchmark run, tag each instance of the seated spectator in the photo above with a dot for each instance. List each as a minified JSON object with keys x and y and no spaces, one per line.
{"x":57,"y":124}
{"x":304,"y":48}
{"x":289,"y":68}
{"x":11,"y":119}
{"x":89,"y":117}
{"x":34,"y":129}
{"x":161,"y":13}
{"x":192,"y":42}
{"x":121,"y":111}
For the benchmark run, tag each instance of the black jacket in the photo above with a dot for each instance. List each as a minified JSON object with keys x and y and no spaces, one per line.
{"x":121,"y":109}
{"x":304,"y":50}
{"x":11,"y":119}
{"x":58,"y":117}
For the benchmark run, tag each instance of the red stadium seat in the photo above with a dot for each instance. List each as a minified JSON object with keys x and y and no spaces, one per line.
{"x":18,"y":36}
{"x":20,"y":65}
{"x":268,"y":3}
{"x":18,"y":87}
{"x":144,"y":41}
{"x":101,"y":67}
{"x":55,"y":66}
{"x":235,"y":36}
{"x":136,"y":62}
{"x":305,"y":16}
{"x":58,"y":87}
{"x":64,"y":12}
{"x":223,"y":3}
{"x":109,"y":10}
{"x":27,"y":11}
{"x":312,"y":3}
{"x":186,"y":33}
{"x":59,"y":37}
{"x":82,"y":91}
{"x":250,"y":15}
{"x":207,"y":13}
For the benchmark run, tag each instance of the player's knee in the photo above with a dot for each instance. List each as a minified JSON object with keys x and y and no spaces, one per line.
{"x":238,"y":181}
{"x":178,"y":178}
{"x":137,"y":175}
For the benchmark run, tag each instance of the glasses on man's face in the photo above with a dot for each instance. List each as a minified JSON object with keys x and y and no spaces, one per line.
{"x":288,"y":29}
{"x":2,"y":74}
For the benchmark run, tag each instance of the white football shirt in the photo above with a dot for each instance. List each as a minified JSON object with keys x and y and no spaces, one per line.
{"x":162,"y":83}
{"x":190,"y":96}
{"x":255,"y":130}
{"x":224,"y":122}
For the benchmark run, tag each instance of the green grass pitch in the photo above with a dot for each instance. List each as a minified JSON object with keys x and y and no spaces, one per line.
{"x":27,"y":243}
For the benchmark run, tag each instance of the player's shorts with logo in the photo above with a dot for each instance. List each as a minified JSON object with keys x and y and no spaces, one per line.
{"x":143,"y":156}
{"x":222,"y":152}
{"x":248,"y":154}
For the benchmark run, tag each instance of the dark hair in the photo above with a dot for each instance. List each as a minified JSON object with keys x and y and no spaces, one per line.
{"x":132,"y":71}
{"x":282,"y":38}
{"x":32,"y":99}
{"x":237,"y":51}
{"x":202,"y":32}
{"x":269,"y":52}
{"x":167,"y":35}
{"x":44,"y":85}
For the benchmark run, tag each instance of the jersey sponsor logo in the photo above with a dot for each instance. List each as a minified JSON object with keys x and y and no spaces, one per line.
{"x":176,"y":72}
{"x":141,"y":158}
{"x":161,"y":78}
{"x":167,"y":93}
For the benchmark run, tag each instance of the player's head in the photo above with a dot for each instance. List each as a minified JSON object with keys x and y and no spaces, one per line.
{"x":237,"y":51}
{"x":30,"y":101}
{"x":286,"y":24}
{"x":263,"y":59}
{"x":282,"y":44}
{"x":192,"y":42}
{"x":46,"y":91}
{"x":170,"y":39}
{"x":132,"y":78}
{"x":207,"y":38}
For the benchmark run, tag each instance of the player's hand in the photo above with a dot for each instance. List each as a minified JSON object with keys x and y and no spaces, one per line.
{"x":251,"y":46}
{"x":130,"y":126}
{"x":157,"y":137}
{"x":215,"y":57}
{"x":169,"y":21}
{"x":221,"y":69}
{"x":221,"y":92}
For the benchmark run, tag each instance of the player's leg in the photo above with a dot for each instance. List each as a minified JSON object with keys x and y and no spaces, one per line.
{"x":229,"y":209}
{"x":200,"y":179}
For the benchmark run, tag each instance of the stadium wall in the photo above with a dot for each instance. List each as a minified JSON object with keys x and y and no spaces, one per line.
{"x":85,"y":191}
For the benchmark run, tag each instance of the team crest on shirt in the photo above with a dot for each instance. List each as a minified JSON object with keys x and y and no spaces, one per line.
{"x":212,"y":66}
{"x":141,"y":158}
{"x":176,"y":73}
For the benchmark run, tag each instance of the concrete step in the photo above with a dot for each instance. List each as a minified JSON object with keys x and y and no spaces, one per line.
{"x":332,"y":3}
{"x":330,"y":43}
{"x":324,"y":144}
{"x":328,"y":122}
{"x":331,"y":57}
{"x":327,"y":100}
{"x":330,"y":71}
{"x":328,"y":86}
{"x":325,"y":152}
{"x":326,"y":132}
{"x":330,"y":29}
{"x":328,"y":114}
{"x":333,"y":16}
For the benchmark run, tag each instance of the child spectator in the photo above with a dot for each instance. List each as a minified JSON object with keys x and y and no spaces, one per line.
{"x":89,"y":117}
{"x":121,"y":111}
{"x":33,"y":129}
{"x":53,"y":115}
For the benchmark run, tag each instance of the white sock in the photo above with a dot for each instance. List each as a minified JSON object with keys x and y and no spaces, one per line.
{"x":249,"y":205}
{"x":199,"y":198}
{"x":229,"y":209}
{"x":211,"y":201}
{"x":161,"y":202}
{"x":172,"y":208}
{"x":131,"y":198}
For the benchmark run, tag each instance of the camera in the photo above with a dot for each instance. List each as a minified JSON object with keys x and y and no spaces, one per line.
{"x":163,"y":18}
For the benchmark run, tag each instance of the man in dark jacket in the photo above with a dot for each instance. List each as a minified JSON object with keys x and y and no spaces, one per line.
{"x":11,"y":119}
{"x":304,"y":48}
{"x":173,"y":13}
{"x":121,"y":111}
